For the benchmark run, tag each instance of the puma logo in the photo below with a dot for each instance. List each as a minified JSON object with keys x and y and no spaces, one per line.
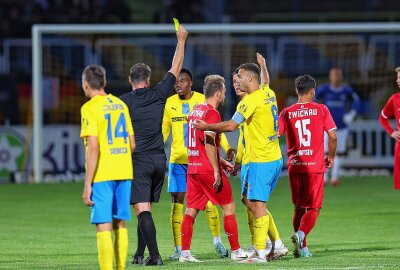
{"x":174,"y":108}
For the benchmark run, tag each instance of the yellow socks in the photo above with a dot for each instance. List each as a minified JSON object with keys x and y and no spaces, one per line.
{"x":272,"y":230}
{"x":105,"y":250}
{"x":251,"y":225}
{"x":176,"y":218}
{"x":261,"y":225}
{"x":213,"y":219}
{"x":121,"y":247}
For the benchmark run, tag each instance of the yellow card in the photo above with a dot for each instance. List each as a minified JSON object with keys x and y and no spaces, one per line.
{"x":176,"y":23}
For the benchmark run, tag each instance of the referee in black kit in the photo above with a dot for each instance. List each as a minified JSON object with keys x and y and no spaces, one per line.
{"x":146,"y":107}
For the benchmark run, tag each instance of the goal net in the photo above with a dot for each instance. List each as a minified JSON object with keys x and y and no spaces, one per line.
{"x":367,"y":55}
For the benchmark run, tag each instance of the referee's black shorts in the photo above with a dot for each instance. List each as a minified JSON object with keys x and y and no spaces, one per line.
{"x":149,"y":173}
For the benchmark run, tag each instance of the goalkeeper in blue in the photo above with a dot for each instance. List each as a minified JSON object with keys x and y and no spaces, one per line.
{"x":343,"y":104}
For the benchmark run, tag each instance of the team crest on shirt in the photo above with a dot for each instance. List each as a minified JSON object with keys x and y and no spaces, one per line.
{"x":85,"y":122}
{"x":185,"y":108}
{"x":269,"y":100}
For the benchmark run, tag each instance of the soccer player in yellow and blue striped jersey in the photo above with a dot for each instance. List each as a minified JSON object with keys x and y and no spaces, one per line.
{"x":175,"y":117}
{"x":258,"y":110}
{"x":108,"y":136}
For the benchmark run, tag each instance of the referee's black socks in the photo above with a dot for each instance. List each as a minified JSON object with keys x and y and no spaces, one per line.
{"x":141,"y":244}
{"x":148,"y":231}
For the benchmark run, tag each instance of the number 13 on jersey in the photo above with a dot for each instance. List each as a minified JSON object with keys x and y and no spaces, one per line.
{"x":192,"y":134}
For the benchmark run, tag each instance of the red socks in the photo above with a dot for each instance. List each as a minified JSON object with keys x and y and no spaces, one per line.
{"x":304,"y":221}
{"x":298,"y":214}
{"x":308,"y":220}
{"x":230,"y":227}
{"x":231,"y":230}
{"x":187,"y":231}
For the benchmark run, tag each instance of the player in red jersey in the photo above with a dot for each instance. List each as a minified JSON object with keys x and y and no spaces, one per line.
{"x":304,"y":124}
{"x":392,"y":109}
{"x":206,"y":180}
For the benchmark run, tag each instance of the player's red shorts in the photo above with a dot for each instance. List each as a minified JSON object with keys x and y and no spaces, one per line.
{"x":307,"y":189}
{"x":199,"y":190}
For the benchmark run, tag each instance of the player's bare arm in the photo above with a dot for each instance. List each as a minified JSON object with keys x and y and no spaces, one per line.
{"x":332,"y":141}
{"x":230,"y":152}
{"x":227,"y":126}
{"x":92,"y":157}
{"x":211,"y":151}
{"x":177,"y":61}
{"x":263,"y":67}
{"x":226,"y":165}
{"x":132,"y":143}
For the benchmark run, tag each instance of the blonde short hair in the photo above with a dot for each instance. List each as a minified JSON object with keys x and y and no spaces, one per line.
{"x":397,"y":69}
{"x":212,"y":84}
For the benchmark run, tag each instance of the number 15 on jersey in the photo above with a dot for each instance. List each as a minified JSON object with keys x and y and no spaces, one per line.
{"x":303,"y":132}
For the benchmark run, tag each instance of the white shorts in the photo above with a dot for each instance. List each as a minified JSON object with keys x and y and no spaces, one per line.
{"x":342,"y":135}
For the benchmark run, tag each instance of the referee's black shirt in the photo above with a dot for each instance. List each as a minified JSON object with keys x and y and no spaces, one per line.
{"x":146,"y":107}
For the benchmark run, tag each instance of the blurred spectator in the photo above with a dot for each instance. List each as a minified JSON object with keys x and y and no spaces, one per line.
{"x":343,"y":103}
{"x":186,"y":11}
{"x":9,"y":112}
{"x":117,"y":11}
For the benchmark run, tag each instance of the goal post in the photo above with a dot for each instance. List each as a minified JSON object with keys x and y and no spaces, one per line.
{"x":39,"y":30}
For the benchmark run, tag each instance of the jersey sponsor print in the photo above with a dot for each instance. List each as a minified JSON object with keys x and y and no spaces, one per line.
{"x":197,"y":156}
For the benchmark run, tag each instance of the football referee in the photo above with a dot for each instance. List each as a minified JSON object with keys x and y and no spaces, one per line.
{"x":146,"y":107}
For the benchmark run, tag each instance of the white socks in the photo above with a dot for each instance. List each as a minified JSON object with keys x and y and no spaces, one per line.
{"x":217,"y":239}
{"x":185,"y":253}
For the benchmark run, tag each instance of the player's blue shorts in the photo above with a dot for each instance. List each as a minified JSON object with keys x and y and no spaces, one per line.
{"x":177,"y":177}
{"x":261,"y":179}
{"x":111,"y":200}
{"x":243,"y":175}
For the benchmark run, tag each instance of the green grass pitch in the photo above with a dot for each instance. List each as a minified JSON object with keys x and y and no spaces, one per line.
{"x":47,"y":226}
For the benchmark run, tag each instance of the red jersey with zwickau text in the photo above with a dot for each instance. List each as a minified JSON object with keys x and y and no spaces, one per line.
{"x":304,"y":125}
{"x":198,"y":162}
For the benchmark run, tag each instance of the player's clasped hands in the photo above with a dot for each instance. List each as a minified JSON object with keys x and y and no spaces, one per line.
{"x":236,"y":169}
{"x":226,"y":165}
